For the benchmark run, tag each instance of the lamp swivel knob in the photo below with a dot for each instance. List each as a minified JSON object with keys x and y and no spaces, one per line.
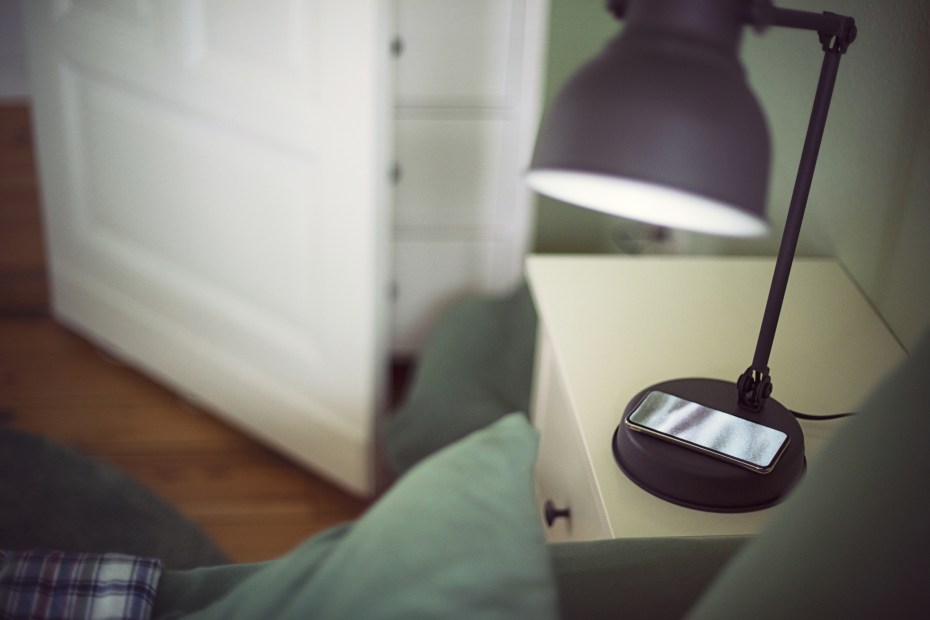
{"x":552,"y":513}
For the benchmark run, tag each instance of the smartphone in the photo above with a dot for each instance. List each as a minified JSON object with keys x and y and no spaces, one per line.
{"x":715,"y":433}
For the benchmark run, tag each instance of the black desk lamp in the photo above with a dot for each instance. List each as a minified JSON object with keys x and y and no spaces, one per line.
{"x":662,"y":127}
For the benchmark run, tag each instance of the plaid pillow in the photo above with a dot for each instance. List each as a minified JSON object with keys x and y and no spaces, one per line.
{"x":52,"y":585}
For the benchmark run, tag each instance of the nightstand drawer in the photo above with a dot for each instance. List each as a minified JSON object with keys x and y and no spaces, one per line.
{"x":563,"y":475}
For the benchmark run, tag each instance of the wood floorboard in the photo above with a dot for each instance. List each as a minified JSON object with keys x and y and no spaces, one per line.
{"x":231,"y":485}
{"x":255,"y":503}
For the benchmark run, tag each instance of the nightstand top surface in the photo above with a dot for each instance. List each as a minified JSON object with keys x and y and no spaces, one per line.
{"x":620,"y":324}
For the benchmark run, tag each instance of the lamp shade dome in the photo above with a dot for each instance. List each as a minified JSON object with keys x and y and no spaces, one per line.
{"x":662,"y":126}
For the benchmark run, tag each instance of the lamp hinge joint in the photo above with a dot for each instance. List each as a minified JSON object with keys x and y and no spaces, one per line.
{"x":754,"y":388}
{"x":839,"y":39}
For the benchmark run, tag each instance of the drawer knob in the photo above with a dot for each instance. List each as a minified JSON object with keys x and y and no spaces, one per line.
{"x":552,"y":513}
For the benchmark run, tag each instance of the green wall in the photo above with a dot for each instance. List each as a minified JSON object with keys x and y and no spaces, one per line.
{"x":870,"y":202}
{"x":577,"y":32}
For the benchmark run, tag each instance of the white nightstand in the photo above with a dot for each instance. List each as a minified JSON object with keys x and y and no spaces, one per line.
{"x":611,"y":326}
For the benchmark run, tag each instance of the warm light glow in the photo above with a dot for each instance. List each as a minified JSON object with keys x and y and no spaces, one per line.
{"x":646,"y":202}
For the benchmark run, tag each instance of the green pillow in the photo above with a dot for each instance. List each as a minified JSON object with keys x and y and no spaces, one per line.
{"x":476,"y":367}
{"x":457,"y":537}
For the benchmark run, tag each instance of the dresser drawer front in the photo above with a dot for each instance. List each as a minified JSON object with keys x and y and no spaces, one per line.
{"x":563,"y":473}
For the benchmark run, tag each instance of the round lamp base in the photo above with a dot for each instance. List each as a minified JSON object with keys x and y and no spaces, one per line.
{"x":695,"y":480}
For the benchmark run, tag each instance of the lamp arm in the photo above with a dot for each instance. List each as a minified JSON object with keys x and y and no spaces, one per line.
{"x":755,"y":385}
{"x":836,"y":33}
{"x":834,"y":30}
{"x":762,"y":14}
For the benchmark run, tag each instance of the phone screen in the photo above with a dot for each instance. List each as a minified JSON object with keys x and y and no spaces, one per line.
{"x":716,"y":433}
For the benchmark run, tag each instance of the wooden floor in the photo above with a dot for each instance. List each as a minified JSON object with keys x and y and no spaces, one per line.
{"x":255,"y":504}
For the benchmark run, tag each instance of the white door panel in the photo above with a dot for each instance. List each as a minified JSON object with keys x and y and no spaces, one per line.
{"x":185,"y":54}
{"x":216,"y":206}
